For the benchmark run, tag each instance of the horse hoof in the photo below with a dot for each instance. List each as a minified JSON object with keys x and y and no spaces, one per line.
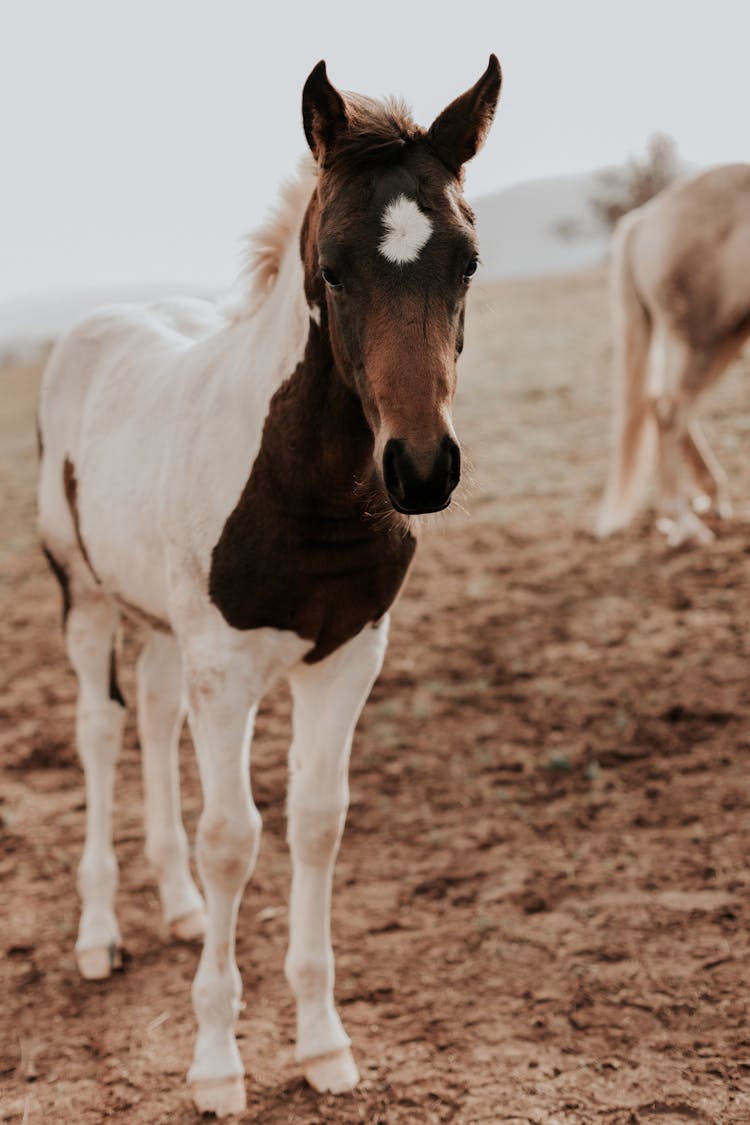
{"x":335,"y":1073}
{"x":687,"y":528}
{"x":222,"y":1096}
{"x":98,"y":962}
{"x":190,"y":927}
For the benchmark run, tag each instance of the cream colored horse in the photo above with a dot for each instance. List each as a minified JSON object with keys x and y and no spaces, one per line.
{"x":681,"y":304}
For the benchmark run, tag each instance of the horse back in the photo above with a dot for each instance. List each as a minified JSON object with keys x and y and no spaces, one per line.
{"x":689,"y":248}
{"x":113,"y":394}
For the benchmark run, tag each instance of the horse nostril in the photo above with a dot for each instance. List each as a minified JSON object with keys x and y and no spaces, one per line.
{"x":454,"y":471}
{"x":421,"y":486}
{"x":394,"y":449}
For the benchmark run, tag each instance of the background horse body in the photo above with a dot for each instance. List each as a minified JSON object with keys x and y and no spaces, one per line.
{"x":681,"y":308}
{"x":242,"y":484}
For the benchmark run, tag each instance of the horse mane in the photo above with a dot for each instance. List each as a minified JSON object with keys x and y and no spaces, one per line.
{"x":265,"y":246}
{"x":377,"y":130}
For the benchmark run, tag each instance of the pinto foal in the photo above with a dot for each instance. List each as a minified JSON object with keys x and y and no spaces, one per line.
{"x":243,"y":485}
{"x":681,"y":309}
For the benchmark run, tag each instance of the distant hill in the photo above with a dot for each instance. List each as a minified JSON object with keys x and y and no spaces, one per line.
{"x":533,"y":229}
{"x":539,"y":228}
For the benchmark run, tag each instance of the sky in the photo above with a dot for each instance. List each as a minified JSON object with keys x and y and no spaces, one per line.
{"x":142,"y":138}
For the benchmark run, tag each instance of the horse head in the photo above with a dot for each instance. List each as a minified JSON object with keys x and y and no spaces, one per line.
{"x":390,"y":249}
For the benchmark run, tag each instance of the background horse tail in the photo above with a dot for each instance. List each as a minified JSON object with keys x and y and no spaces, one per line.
{"x":634,"y":434}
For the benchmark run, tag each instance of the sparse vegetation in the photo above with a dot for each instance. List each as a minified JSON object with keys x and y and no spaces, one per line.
{"x":622,"y":189}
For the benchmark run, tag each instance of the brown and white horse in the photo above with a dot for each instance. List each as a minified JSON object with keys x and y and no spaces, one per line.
{"x":242,"y":483}
{"x":681,"y":306}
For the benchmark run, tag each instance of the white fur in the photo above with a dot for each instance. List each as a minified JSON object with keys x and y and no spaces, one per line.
{"x":318,"y":801}
{"x":407,"y":230}
{"x":161,"y":714}
{"x":160,"y":409}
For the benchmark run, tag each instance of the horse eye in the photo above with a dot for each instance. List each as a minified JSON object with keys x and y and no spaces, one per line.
{"x":471,"y":269}
{"x":331,"y":279}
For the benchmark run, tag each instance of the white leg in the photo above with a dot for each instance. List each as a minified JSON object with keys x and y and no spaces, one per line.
{"x":226,"y":674}
{"x":328,"y":698}
{"x":89,"y":635}
{"x":228,"y":841}
{"x":160,"y":719}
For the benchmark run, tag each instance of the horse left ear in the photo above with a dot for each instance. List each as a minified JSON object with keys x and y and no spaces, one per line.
{"x":460,"y":130}
{"x":323,"y":112}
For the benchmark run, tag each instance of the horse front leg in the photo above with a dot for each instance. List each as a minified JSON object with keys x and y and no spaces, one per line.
{"x":327,"y":699}
{"x":221,"y":711}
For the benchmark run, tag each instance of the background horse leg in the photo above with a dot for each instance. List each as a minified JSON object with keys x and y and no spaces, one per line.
{"x":328,"y":698}
{"x":677,"y":374}
{"x":707,"y":473}
{"x":706,"y":470}
{"x":160,"y":719}
{"x":688,"y":373}
{"x":100,"y":716}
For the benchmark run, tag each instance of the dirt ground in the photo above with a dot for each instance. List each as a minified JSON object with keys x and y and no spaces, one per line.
{"x":542,"y":906}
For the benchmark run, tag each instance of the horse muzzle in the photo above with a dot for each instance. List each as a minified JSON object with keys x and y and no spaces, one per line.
{"x":417,"y":485}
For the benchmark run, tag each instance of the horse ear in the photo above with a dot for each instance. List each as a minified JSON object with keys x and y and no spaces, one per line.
{"x":459,"y":131}
{"x":323,"y":112}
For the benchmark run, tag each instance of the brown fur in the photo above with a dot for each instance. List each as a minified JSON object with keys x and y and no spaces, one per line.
{"x":70,"y":485}
{"x":61,"y":575}
{"x":314,"y":544}
{"x":303,"y":549}
{"x":114,"y":688}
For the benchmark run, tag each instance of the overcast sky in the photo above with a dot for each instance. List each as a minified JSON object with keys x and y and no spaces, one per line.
{"x":141,"y":138}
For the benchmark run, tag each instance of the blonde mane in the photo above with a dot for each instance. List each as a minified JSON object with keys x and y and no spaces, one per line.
{"x":265,"y":246}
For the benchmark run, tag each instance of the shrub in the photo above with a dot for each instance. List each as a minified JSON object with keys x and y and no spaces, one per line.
{"x":622,"y":189}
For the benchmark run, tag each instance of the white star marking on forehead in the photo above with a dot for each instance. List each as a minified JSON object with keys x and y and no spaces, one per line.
{"x":407,"y":229}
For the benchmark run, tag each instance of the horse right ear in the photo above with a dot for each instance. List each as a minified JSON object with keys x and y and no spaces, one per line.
{"x":323,"y":112}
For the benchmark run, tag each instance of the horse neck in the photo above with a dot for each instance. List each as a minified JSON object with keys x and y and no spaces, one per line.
{"x":331,"y":435}
{"x":328,"y":438}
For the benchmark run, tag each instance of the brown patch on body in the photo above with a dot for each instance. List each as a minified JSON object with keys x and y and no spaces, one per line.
{"x":306,"y":548}
{"x":314,"y":544}
{"x":61,"y":575}
{"x":114,"y":688}
{"x":70,"y":485}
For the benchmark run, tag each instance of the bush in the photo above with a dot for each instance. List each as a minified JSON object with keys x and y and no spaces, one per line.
{"x":642,"y":178}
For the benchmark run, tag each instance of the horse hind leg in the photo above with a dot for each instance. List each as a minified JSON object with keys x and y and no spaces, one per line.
{"x":709,"y":476}
{"x":707,"y":473}
{"x":689,"y":373}
{"x":160,"y":718}
{"x":100,"y":715}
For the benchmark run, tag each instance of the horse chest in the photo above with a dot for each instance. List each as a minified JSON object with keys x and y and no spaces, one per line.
{"x":322,"y":579}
